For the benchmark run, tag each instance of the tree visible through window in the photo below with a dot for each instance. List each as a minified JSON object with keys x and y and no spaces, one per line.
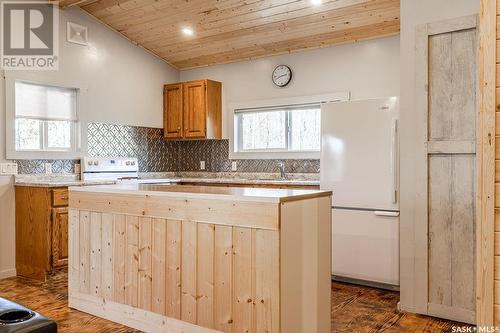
{"x":46,"y":117}
{"x":294,"y":129}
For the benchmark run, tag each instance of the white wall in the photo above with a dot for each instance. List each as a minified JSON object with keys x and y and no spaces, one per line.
{"x":366,"y":69}
{"x":125,"y":86}
{"x":124,"y":82}
{"x":414,"y":13}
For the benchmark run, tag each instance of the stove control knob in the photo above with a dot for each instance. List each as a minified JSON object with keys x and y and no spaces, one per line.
{"x":96,"y":162}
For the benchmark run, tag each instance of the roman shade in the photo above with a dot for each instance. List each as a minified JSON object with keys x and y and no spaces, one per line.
{"x":44,"y":102}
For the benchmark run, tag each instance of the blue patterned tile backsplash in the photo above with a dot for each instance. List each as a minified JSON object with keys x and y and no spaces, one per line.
{"x":158,"y":155}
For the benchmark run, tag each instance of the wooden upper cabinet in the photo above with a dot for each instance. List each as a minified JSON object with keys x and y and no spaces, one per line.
{"x":195,"y":115}
{"x":193,"y":110}
{"x":172,"y":111}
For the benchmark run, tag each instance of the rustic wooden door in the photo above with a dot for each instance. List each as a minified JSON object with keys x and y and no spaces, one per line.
{"x":447,"y":211}
{"x":59,"y":236}
{"x":195,"y":112}
{"x":172,"y":111}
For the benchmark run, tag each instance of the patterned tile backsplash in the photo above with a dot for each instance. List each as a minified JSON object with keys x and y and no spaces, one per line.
{"x":158,"y":155}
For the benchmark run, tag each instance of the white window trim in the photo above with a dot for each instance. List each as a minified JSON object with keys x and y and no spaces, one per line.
{"x":81,"y":124}
{"x":277,"y":154}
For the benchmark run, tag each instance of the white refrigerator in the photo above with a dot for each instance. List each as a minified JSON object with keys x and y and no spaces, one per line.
{"x":359,"y":163}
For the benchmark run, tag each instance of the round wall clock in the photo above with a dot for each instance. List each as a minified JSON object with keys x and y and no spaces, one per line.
{"x":282,"y":75}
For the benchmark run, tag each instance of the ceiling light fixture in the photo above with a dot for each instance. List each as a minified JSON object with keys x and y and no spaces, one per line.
{"x":187,"y":31}
{"x":316,"y":2}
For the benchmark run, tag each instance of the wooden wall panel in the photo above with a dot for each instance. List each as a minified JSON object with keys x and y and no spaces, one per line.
{"x":188,"y":272}
{"x":242,"y":280}
{"x":132,"y":261}
{"x":119,"y":247}
{"x":107,"y":256}
{"x":214,"y":276}
{"x":263,"y":215}
{"x":158,"y":262}
{"x":267,"y":276}
{"x":223,"y":278}
{"x":95,"y":254}
{"x":73,"y":250}
{"x":205,"y":275}
{"x":496,"y":298}
{"x":145,"y":274}
{"x":173,"y":295}
{"x":84,"y":239}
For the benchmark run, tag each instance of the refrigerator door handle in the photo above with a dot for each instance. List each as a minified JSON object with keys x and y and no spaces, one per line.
{"x":394,"y":139}
{"x":386,"y":213}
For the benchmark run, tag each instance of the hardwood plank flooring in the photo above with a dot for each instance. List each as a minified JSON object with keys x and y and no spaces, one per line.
{"x":354,"y":308}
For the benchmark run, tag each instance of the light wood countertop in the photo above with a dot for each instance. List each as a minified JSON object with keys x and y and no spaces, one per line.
{"x":206,"y":192}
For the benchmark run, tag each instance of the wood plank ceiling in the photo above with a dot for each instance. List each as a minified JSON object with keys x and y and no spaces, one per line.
{"x":232,"y":30}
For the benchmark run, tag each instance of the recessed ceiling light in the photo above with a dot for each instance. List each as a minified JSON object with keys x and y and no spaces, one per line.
{"x":187,"y":31}
{"x":316,"y":2}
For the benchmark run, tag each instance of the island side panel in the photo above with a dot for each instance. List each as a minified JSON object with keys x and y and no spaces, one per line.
{"x":305,"y":243}
{"x":199,"y":264}
{"x":249,"y":214}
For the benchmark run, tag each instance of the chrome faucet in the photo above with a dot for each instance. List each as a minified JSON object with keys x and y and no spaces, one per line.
{"x":281,"y":165}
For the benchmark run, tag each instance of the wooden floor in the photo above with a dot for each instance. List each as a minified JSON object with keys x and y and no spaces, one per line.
{"x":354,"y":308}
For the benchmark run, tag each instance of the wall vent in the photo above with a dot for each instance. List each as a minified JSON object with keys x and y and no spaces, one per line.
{"x":77,"y":34}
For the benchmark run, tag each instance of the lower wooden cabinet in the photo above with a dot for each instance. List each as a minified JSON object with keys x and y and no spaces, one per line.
{"x":59,"y":236}
{"x":41,"y":230}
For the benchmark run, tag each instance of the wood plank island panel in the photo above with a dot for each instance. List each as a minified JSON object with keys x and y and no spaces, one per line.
{"x":496,"y":239}
{"x":167,"y":275}
{"x":234,"y":30}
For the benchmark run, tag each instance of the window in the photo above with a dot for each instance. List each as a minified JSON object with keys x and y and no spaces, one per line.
{"x":278,"y":129}
{"x":45,"y":117}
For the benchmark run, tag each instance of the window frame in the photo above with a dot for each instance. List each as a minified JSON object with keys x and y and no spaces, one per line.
{"x":288,"y":110}
{"x":79,"y":126}
{"x":235,"y":132}
{"x":44,"y":128}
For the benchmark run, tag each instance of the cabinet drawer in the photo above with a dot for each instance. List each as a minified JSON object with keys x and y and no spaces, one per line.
{"x":60,"y":197}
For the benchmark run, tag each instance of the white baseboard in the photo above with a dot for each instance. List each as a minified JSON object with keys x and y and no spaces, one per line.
{"x":7,"y":273}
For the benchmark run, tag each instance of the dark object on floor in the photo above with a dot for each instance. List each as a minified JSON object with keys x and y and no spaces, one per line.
{"x":15,"y":318}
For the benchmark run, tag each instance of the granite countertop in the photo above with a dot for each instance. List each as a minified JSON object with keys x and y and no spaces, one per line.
{"x":64,"y":180}
{"x":233,"y":181}
{"x":61,"y":183}
{"x":55,"y":180}
{"x":205,"y":192}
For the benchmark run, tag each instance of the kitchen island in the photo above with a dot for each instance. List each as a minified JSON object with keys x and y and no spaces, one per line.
{"x":183,"y":258}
